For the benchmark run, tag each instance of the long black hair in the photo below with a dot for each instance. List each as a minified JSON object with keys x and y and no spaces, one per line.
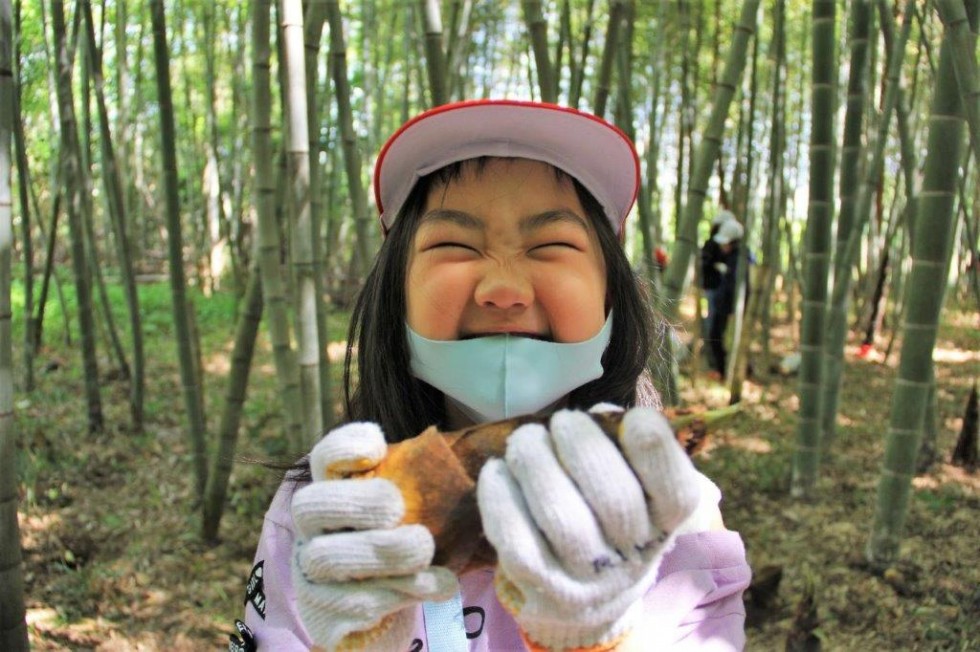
{"x":380,"y":386}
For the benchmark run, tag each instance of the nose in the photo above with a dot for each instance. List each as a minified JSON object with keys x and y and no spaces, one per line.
{"x":503,"y":286}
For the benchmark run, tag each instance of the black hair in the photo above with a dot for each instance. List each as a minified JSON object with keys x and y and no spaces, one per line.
{"x":380,"y":387}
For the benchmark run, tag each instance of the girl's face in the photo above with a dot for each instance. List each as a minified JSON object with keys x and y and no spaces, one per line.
{"x":506,"y":248}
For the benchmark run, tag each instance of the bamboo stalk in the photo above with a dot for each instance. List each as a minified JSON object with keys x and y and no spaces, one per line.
{"x":953,"y":13}
{"x":13,"y":626}
{"x":924,"y":293}
{"x":806,"y":456}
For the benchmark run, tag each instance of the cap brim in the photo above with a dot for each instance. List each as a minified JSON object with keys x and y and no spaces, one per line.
{"x":599,"y":155}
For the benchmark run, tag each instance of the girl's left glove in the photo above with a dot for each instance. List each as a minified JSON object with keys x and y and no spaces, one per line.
{"x":580,"y":525}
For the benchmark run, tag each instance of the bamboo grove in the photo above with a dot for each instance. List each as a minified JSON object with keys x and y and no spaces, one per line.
{"x":228,"y":145}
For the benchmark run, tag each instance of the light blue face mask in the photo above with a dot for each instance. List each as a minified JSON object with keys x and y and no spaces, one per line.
{"x":501,"y":376}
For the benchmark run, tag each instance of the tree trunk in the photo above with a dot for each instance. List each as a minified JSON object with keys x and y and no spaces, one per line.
{"x":313,"y":22}
{"x":806,"y":457}
{"x":934,"y":227}
{"x":304,"y":239}
{"x":906,"y":142}
{"x":267,"y":241}
{"x":117,"y":215}
{"x":957,"y":26}
{"x":617,"y":11}
{"x":142,"y":201}
{"x":972,"y":246}
{"x":231,"y":416}
{"x":23,"y":186}
{"x":71,"y":159}
{"x":193,"y":400}
{"x":577,"y":77}
{"x":651,"y":229}
{"x":220,"y":253}
{"x":50,"y":273}
{"x":685,"y":111}
{"x":965,"y":451}
{"x":746,"y":293}
{"x":908,"y":159}
{"x":435,"y":55}
{"x":537,"y":29}
{"x":855,"y":210}
{"x":661,"y":364}
{"x":13,"y":625}
{"x":124,"y":125}
{"x":663,"y":367}
{"x":564,"y":43}
{"x":459,"y":36}
{"x":769,"y":263}
{"x":239,"y":228}
{"x":878,"y":296}
{"x":109,"y":331}
{"x":352,"y":156}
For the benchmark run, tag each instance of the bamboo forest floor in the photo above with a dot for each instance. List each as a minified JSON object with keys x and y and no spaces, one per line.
{"x":930,"y":598}
{"x":113,"y":560}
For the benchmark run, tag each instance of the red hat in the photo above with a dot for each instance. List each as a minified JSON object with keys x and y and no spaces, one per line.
{"x":596,"y":153}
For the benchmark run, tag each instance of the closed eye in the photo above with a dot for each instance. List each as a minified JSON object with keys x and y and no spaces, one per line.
{"x":449,"y":245}
{"x":567,"y":245}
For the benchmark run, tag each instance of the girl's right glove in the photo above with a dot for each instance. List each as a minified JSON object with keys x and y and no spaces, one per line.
{"x":580,"y":525}
{"x":358,"y":574}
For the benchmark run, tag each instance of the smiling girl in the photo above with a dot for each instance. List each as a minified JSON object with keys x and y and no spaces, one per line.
{"x":502,"y":289}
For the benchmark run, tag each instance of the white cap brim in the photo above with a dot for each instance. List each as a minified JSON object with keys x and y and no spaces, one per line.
{"x":597,"y":154}
{"x":721,"y":217}
{"x":730,"y":231}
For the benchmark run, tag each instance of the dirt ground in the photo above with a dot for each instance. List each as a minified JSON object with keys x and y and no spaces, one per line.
{"x":113,"y":560}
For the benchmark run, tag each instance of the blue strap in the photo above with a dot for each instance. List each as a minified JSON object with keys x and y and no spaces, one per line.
{"x":444,"y":627}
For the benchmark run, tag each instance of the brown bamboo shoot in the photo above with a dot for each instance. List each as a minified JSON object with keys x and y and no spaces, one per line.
{"x":436,"y":473}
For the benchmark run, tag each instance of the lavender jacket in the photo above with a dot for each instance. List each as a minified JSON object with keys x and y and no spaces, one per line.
{"x":695,"y":604}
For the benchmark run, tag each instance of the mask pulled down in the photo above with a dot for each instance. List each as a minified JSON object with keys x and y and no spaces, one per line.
{"x":502,"y":376}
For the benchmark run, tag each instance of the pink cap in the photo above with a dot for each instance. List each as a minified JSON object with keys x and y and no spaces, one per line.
{"x":598,"y":154}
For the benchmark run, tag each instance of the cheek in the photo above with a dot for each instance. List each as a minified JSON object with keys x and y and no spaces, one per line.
{"x":576,"y":306}
{"x":435,"y":301}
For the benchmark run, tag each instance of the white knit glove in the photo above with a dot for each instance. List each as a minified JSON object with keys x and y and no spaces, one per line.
{"x":358,"y":574}
{"x":721,"y":268}
{"x":580,"y":527}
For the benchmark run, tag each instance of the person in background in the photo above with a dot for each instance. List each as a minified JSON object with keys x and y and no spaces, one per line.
{"x":502,"y":289}
{"x":719,"y":264}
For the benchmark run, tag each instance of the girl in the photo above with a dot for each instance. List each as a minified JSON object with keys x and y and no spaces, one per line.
{"x":502,"y":289}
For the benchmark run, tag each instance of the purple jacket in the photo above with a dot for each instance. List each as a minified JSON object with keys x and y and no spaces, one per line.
{"x":696,"y":603}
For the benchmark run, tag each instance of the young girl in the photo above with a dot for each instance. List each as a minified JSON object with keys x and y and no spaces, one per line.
{"x":502,"y":289}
